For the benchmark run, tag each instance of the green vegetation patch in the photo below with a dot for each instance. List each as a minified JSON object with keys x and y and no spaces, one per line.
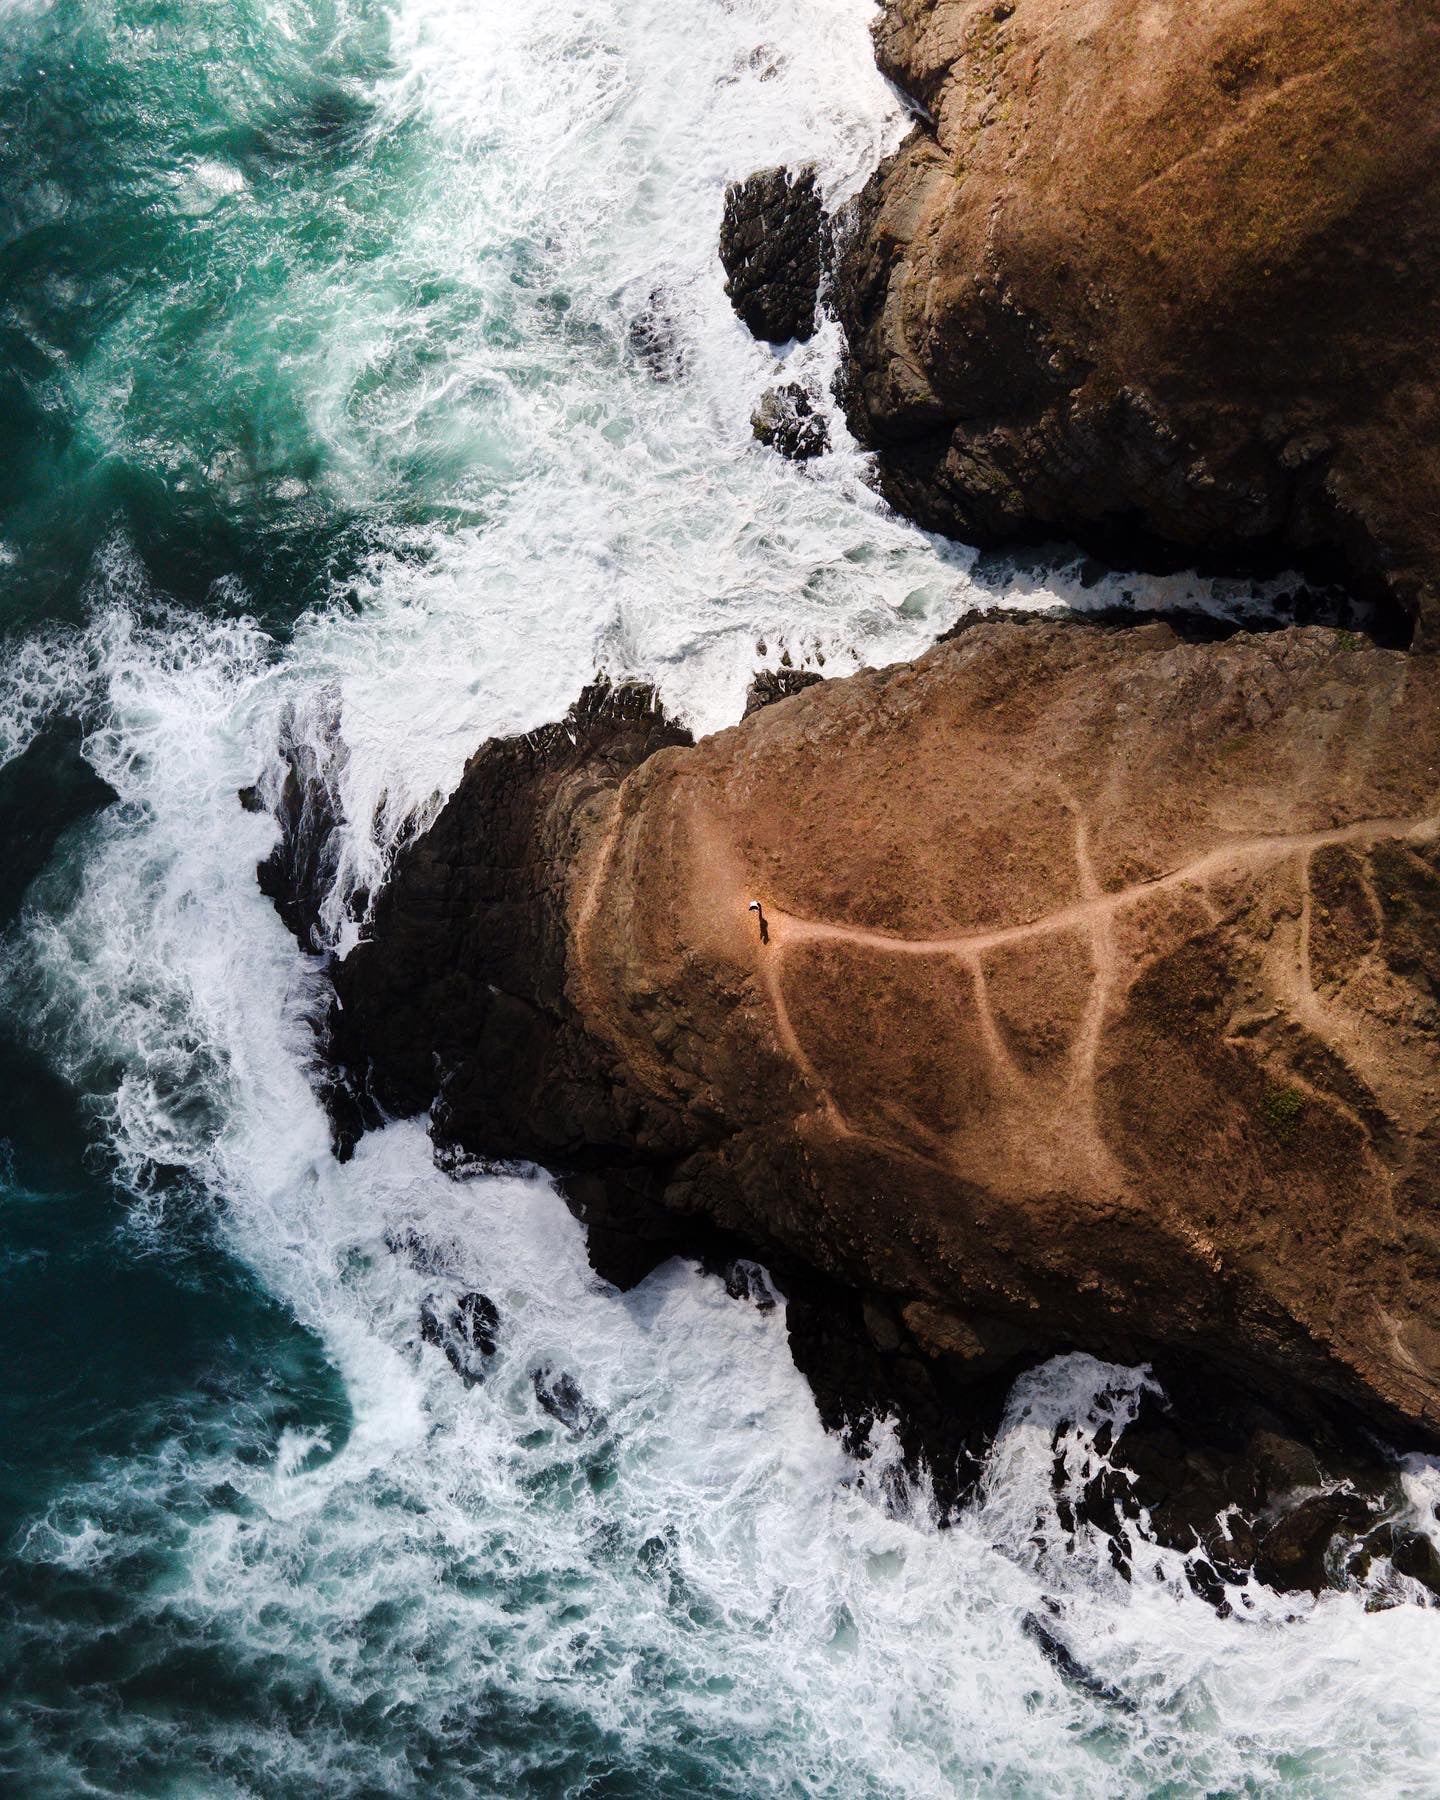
{"x":1282,"y":1108}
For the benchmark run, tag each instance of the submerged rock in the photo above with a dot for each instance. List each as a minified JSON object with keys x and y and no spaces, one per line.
{"x":1063,"y":1659}
{"x":560,"y":1396}
{"x":1170,"y":290}
{"x":770,"y":245}
{"x":655,"y":339}
{"x":466,"y":1328}
{"x":786,"y":421}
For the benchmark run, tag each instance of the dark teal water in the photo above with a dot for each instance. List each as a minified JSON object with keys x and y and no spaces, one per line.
{"x":118,"y":1359}
{"x":156,"y":338}
{"x":148,"y":373}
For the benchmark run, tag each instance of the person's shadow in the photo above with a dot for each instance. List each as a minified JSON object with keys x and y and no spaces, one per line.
{"x":759,"y":912}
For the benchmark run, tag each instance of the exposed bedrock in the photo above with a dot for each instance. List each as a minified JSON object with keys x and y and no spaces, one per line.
{"x":770,"y":245}
{"x":1094,"y":1005}
{"x":786,"y":421}
{"x":1161,"y":277}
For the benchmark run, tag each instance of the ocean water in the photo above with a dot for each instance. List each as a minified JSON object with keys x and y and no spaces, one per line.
{"x":321,"y":417}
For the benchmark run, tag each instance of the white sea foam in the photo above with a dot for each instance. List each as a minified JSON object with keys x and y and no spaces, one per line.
{"x":699,"y":1581}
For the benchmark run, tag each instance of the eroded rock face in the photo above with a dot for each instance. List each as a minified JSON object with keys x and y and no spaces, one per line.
{"x":1096,"y":1004}
{"x":1161,"y":277}
{"x":770,"y":244}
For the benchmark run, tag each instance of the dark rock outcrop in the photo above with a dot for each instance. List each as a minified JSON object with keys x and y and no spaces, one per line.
{"x":786,"y":421}
{"x":458,"y":939}
{"x":771,"y":685}
{"x":770,"y":245}
{"x":466,"y":1327}
{"x":1162,"y":279}
{"x":298,"y":872}
{"x":1097,"y":1009}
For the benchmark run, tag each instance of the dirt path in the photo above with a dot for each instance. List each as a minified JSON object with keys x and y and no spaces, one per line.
{"x":1065,"y":1112}
{"x":792,"y":928}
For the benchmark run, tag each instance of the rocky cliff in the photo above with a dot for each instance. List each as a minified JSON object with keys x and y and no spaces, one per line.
{"x":1161,"y":277}
{"x":1087,"y":996}
{"x":1071,"y":987}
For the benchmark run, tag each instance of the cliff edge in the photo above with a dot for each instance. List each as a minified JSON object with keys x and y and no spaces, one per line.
{"x":1163,"y":278}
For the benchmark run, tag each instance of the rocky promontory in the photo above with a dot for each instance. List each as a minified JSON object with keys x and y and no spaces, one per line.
{"x":1074,"y":987}
{"x":1161,"y":278}
{"x":1070,"y":987}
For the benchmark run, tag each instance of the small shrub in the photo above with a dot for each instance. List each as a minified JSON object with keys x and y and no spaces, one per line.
{"x":1282,"y":1109}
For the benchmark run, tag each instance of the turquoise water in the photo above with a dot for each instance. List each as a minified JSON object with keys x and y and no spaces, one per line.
{"x":320,"y":417}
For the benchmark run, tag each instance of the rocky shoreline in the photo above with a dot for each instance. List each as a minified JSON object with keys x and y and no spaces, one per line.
{"x":599,"y":1003}
{"x":1167,"y":289}
{"x":1073,"y":988}
{"x":1166,"y":293}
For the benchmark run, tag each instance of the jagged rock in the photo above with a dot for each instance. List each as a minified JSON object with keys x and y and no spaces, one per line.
{"x":655,"y":339}
{"x":1098,"y":1001}
{"x":470,"y":923}
{"x":466,"y":1328}
{"x":298,"y":872}
{"x":786,"y":421}
{"x":1221,"y":1481}
{"x":1166,"y":285}
{"x":1410,"y":1552}
{"x":770,"y":245}
{"x":746,"y":1280}
{"x":560,"y":1396}
{"x":771,"y":685}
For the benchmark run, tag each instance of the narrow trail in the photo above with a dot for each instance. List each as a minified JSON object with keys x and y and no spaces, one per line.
{"x":793,"y":928}
{"x":1055,"y":1111}
{"x":1065,"y":1111}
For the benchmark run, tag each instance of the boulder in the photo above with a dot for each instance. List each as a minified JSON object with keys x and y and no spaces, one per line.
{"x":770,"y":245}
{"x":1163,"y":278}
{"x":655,"y":339}
{"x":466,"y":1327}
{"x":559,"y":1395}
{"x":786,"y":421}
